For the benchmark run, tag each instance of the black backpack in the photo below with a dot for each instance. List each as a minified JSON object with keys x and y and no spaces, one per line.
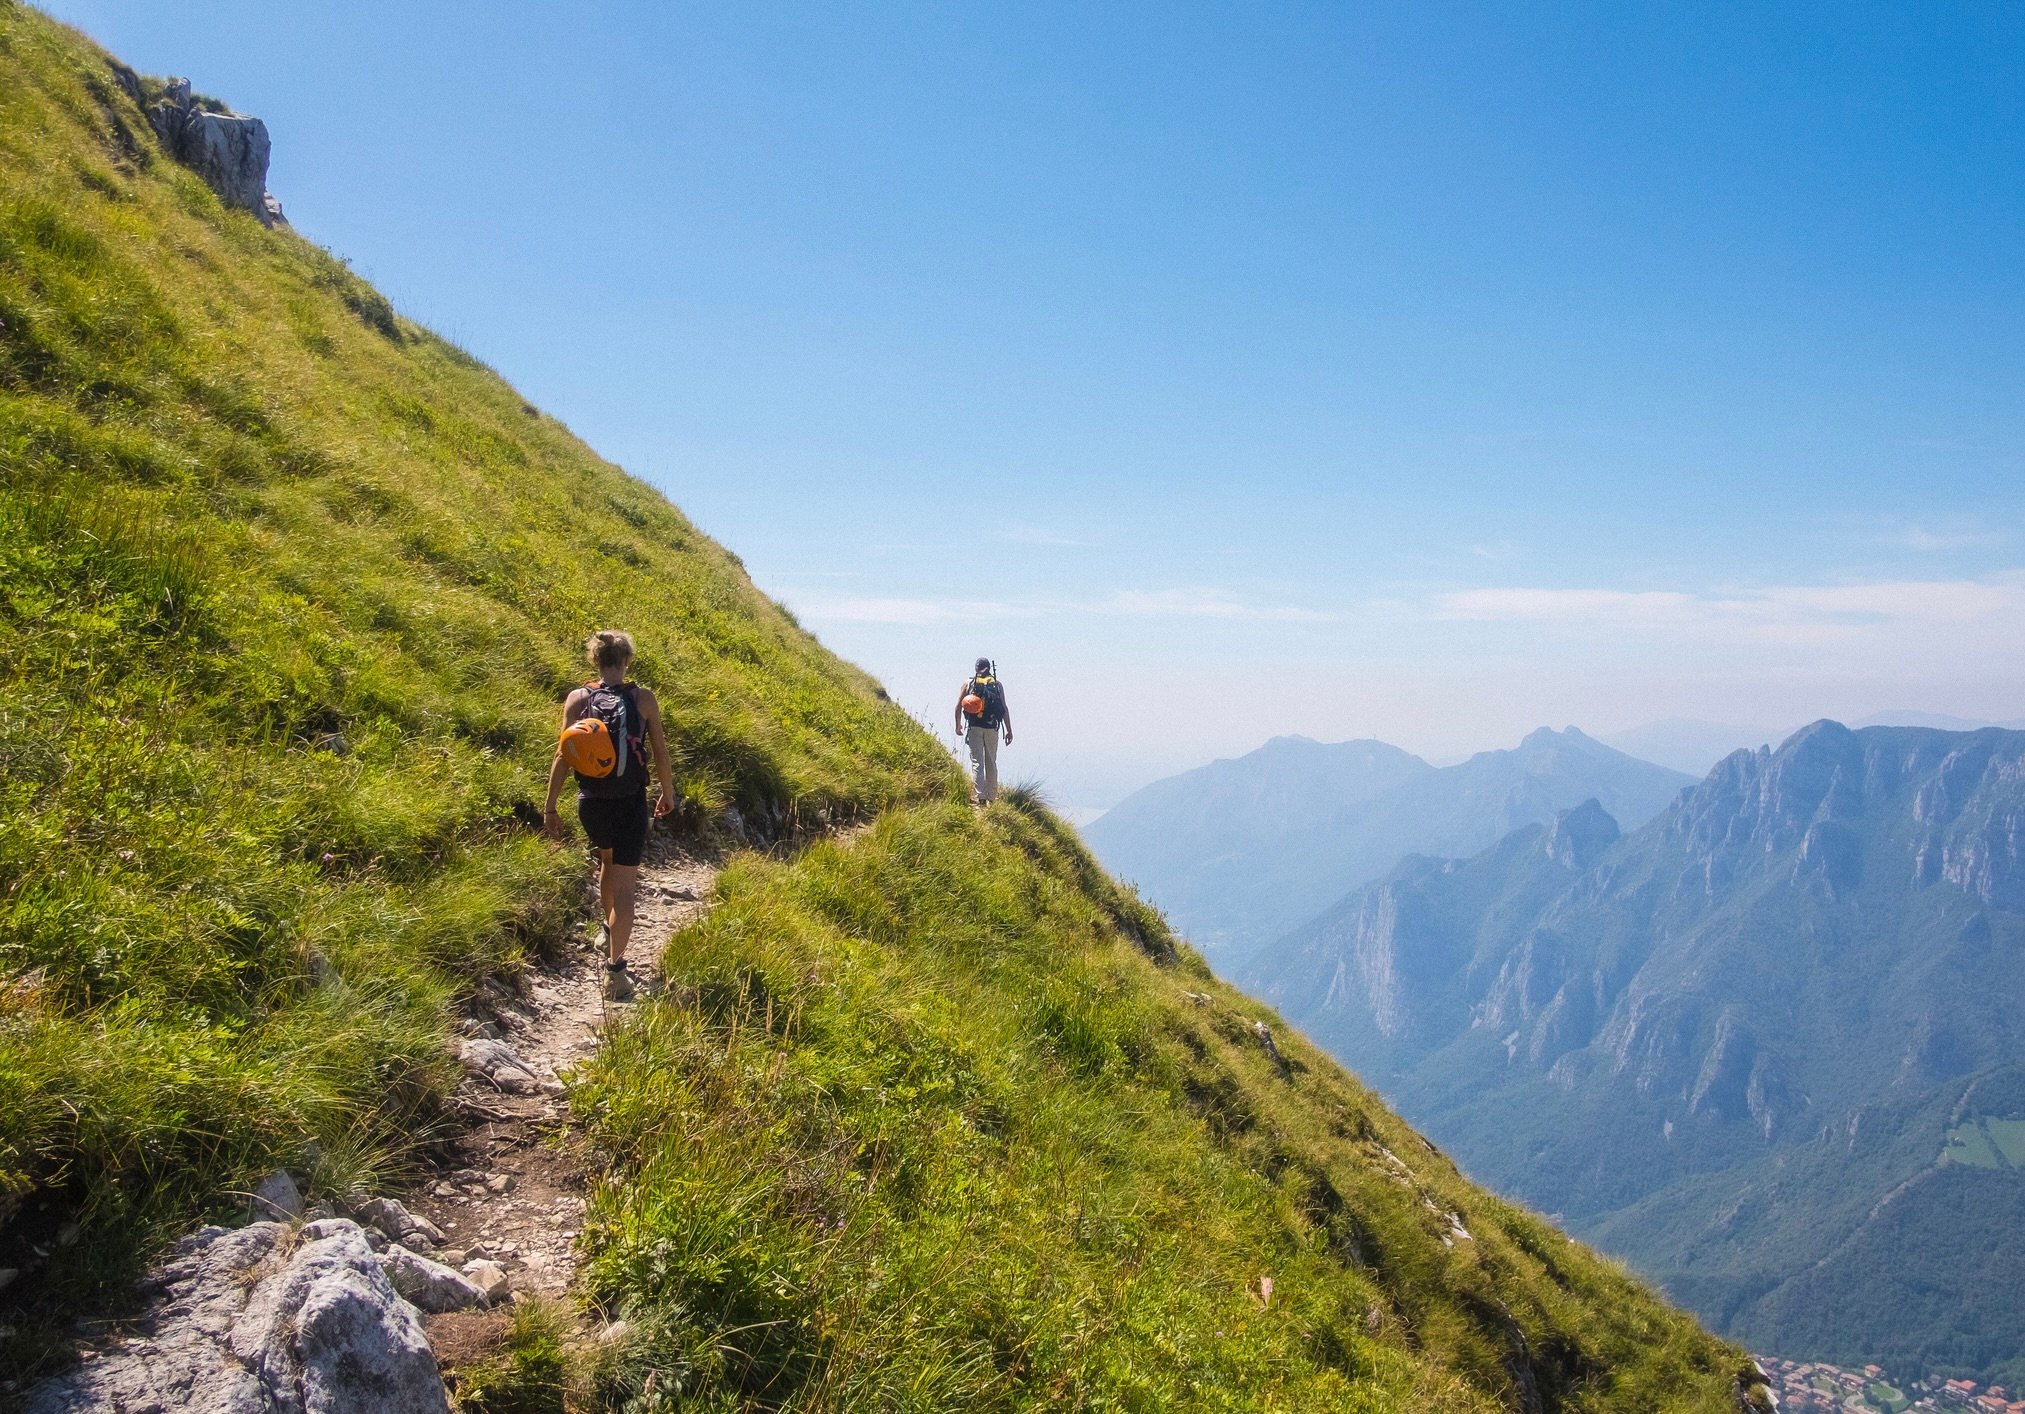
{"x":619,"y":709}
{"x":994,"y":701}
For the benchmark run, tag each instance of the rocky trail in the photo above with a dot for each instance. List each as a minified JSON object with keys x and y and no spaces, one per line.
{"x":357,"y":1309}
{"x":510,"y":1186}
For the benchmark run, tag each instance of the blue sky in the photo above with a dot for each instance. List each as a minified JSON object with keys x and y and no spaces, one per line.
{"x":1420,"y":371}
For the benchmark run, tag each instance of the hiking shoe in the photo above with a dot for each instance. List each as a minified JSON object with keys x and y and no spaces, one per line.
{"x":618,"y":983}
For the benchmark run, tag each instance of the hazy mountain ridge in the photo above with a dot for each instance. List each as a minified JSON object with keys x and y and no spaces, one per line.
{"x":1695,"y":746}
{"x":1718,"y":1043}
{"x":1239,"y":851}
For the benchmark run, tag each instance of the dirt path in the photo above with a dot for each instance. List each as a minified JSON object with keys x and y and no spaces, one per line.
{"x":510,"y":1186}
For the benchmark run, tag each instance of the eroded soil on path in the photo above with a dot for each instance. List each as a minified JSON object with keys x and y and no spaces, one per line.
{"x":510,"y":1185}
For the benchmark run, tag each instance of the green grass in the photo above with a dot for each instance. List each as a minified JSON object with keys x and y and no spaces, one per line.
{"x":2007,"y":1136}
{"x":1969,"y":1144}
{"x":1982,"y":1142}
{"x":933,"y":1120}
{"x":289,"y":591}
{"x":537,"y":1366}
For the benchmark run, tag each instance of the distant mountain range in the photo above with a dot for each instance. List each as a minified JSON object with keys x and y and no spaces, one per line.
{"x":1687,"y":744}
{"x":1770,"y":1047}
{"x":1239,"y":851}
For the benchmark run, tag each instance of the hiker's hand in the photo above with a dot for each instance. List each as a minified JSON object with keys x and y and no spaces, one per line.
{"x":551,"y":823}
{"x":665,"y":805}
{"x":1008,"y":736}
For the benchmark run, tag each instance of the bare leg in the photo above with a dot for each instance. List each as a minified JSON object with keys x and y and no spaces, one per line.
{"x":605,"y":891}
{"x":617,"y":884}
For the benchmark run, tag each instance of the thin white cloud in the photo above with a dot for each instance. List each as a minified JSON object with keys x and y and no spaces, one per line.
{"x":1795,"y":614}
{"x":1931,"y":540}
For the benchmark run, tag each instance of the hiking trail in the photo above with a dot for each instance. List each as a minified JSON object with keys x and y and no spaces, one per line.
{"x":509,"y":1185}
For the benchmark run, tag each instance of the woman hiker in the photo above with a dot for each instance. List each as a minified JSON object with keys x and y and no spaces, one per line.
{"x":608,"y":725}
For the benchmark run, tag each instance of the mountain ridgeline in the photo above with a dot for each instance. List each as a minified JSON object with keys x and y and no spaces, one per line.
{"x":931,"y":1114}
{"x":1240,"y":851}
{"x":1768,"y":1047}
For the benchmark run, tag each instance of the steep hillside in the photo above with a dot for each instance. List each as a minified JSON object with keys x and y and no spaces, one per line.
{"x":1239,"y":852}
{"x":1760,"y":1047}
{"x":942,"y":1119}
{"x":932,"y":1116}
{"x":289,"y":590}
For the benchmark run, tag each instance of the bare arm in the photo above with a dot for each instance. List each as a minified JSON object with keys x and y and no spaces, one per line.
{"x":551,"y":822}
{"x":1005,"y":715}
{"x":657,"y":742}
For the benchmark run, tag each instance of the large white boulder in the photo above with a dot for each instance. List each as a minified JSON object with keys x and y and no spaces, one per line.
{"x":229,"y":151}
{"x":262,"y":1320}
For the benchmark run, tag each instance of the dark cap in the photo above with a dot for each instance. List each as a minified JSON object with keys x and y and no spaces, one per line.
{"x":983,"y":665}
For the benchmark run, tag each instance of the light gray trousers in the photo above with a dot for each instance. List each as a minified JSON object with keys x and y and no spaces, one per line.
{"x":983,"y":744}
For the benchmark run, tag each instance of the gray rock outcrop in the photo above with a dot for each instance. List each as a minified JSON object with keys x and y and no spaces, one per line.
{"x":428,"y":1285}
{"x":391,"y":1216}
{"x":228,"y":150}
{"x":261,"y":1320}
{"x":490,"y":1278}
{"x":277,"y":1198}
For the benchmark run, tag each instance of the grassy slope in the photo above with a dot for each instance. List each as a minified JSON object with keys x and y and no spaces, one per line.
{"x":246,"y":508}
{"x":290,"y":588}
{"x":939,"y":1119}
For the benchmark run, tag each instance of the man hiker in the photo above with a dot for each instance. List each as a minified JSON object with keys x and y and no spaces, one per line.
{"x":981,"y":714}
{"x":608,"y":726}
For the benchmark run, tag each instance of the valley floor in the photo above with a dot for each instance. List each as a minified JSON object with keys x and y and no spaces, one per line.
{"x":1817,"y":1387}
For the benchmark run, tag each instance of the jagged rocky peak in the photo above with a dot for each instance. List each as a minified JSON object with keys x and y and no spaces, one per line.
{"x":1579,"y":835}
{"x":228,"y":150}
{"x":1763,"y":801}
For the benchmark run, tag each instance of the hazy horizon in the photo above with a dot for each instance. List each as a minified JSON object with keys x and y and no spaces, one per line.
{"x":1739,"y":735}
{"x":1429,"y":373}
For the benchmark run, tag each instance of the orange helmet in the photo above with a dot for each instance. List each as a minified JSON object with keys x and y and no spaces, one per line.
{"x":587,"y":748}
{"x":973,"y":705}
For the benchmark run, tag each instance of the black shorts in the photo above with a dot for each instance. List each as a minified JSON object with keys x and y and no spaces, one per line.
{"x":617,"y":823}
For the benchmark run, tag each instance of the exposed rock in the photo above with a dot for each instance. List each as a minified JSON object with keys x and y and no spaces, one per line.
{"x":1579,"y":836}
{"x":499,"y":1063}
{"x":228,"y":150}
{"x":393,"y":1219}
{"x":431,"y":1286}
{"x":1265,"y":1035}
{"x":490,"y":1278}
{"x":244,"y":1322}
{"x":128,"y":81}
{"x":276,"y":1197}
